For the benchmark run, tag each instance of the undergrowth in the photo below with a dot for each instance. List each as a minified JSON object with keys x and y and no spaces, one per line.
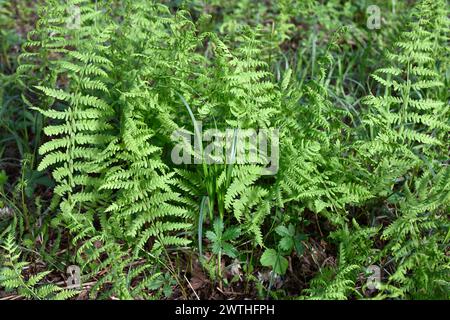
{"x":98,"y":98}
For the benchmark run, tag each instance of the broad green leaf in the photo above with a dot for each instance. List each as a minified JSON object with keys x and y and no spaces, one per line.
{"x":231,"y":234}
{"x":272,"y":258}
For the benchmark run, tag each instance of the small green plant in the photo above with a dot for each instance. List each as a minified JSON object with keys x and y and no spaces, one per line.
{"x":290,"y":239}
{"x":12,"y":276}
{"x":221,"y":242}
{"x":274,"y":259}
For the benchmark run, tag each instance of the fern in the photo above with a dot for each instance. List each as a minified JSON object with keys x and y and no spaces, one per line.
{"x":417,"y":240}
{"x":110,"y":95}
{"x":410,"y":118}
{"x":315,"y":153}
{"x":13,"y":279}
{"x":101,"y":149}
{"x":143,"y":188}
{"x":408,"y":123}
{"x":242,"y":96}
{"x":332,"y":284}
